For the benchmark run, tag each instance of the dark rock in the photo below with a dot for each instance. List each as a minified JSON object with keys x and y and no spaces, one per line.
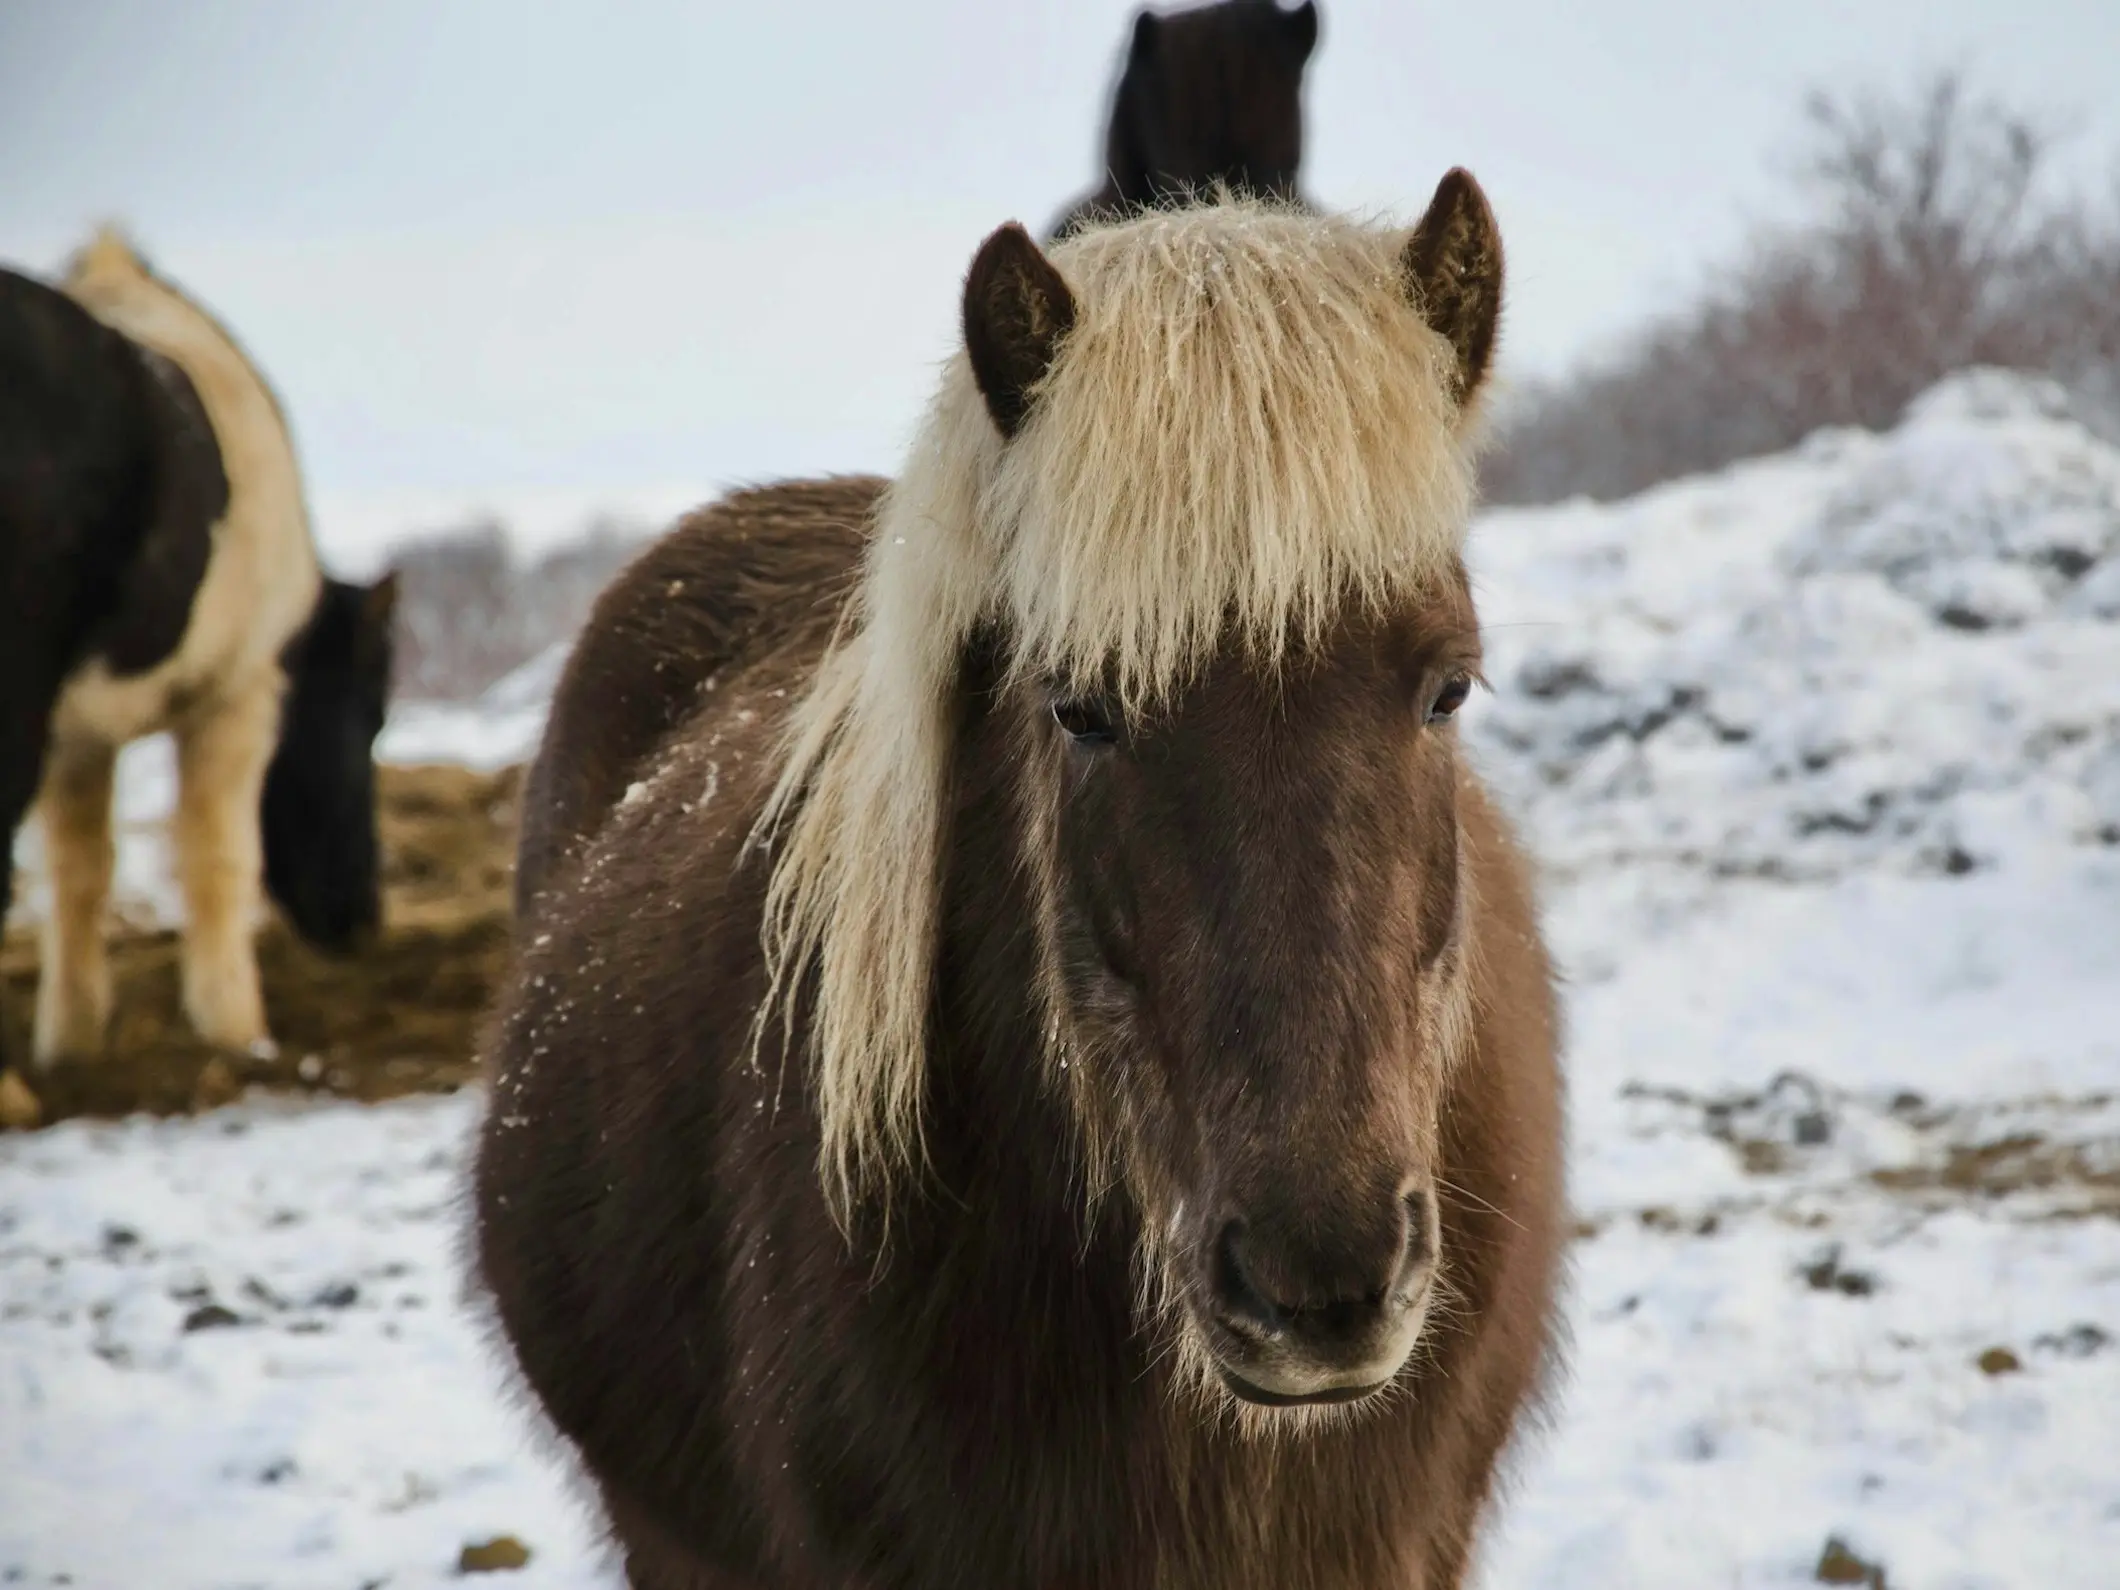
{"x":501,"y":1554}
{"x":1838,"y":1564}
{"x":1548,"y":679}
{"x":210,"y":1317}
{"x":2078,"y":1341}
{"x":1827,"y":1274}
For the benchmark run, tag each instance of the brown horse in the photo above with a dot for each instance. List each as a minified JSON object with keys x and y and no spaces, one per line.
{"x":1032,"y":1062}
{"x":1207,"y":96}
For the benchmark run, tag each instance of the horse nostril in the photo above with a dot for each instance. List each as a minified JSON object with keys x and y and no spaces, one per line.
{"x":1234,"y":1289}
{"x":1420,"y":1238}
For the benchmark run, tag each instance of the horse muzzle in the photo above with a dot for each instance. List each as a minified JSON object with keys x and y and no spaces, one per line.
{"x":1301,"y":1324}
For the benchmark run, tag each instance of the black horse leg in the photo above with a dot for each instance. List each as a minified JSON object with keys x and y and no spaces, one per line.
{"x":24,"y":724}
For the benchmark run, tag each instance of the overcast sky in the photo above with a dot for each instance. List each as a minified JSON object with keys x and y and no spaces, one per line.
{"x":485,"y":246}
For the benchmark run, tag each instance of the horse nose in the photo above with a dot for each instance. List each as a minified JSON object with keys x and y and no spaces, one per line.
{"x":1332,"y":1289}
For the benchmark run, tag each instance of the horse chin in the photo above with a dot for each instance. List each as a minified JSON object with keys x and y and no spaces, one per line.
{"x":1268,"y":1387}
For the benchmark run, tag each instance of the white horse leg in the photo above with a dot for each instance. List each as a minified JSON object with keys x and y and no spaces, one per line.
{"x":222,"y":753}
{"x":73,"y":982}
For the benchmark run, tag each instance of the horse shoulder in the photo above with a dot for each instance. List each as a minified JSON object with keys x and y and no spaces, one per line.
{"x":628,"y":1125}
{"x":728,"y":580}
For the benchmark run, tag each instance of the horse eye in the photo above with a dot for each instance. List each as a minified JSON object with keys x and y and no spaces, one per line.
{"x":1087,"y":722}
{"x":1450,"y":698}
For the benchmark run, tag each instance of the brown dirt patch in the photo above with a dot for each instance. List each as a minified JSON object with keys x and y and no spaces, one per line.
{"x":400,"y":1018}
{"x":2019,"y":1163}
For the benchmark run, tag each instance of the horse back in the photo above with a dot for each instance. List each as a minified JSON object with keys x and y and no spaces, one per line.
{"x":728,"y":582}
{"x":77,"y":473}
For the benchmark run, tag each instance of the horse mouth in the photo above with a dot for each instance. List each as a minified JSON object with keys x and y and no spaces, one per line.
{"x":1244,"y":1391}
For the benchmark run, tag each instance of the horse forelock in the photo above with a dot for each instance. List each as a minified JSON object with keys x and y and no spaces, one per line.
{"x":1248,"y":430}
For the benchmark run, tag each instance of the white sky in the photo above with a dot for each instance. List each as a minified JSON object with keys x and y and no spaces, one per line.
{"x":493,"y":247}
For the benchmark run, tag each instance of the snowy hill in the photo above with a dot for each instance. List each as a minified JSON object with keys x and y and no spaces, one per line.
{"x":1894,"y":652}
{"x":1821,"y":758}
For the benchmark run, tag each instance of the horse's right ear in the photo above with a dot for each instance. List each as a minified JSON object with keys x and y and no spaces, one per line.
{"x":378,"y":607}
{"x":1016,"y":311}
{"x":1453,"y":273}
{"x":1302,"y":29}
{"x":379,"y":602}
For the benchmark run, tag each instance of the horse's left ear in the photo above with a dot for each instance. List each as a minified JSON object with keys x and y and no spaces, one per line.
{"x":379,"y":604}
{"x":1453,"y":269}
{"x":1301,"y":27}
{"x":1016,"y":311}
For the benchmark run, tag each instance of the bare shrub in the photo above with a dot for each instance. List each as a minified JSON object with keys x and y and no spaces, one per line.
{"x":1930,"y":246}
{"x":469,"y":612}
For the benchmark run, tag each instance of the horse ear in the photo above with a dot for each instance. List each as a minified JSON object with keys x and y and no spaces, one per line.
{"x":379,"y":604}
{"x":1302,"y":26}
{"x":1453,"y":270}
{"x":1148,"y":27}
{"x":1016,"y":310}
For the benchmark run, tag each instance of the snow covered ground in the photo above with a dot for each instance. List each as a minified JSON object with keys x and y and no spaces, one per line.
{"x":1822,"y":758}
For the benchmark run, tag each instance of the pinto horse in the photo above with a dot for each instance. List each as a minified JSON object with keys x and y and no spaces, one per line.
{"x":1032,"y":1061}
{"x":159,"y":574}
{"x":1209,"y":96}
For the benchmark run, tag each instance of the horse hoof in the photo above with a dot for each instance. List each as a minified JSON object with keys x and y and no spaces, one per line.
{"x":20,"y":1110}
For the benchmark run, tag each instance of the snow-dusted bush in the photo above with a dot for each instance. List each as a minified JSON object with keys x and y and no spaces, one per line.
{"x":471,"y":612}
{"x":1933,"y":244}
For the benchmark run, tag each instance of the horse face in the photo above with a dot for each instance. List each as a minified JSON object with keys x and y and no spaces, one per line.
{"x":319,"y":805}
{"x":1253,"y":932}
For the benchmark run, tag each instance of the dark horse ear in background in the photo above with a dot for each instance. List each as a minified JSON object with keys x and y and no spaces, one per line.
{"x":1016,"y":311}
{"x":1300,"y":28}
{"x":1147,"y":28}
{"x":1453,"y":268}
{"x":379,"y":616}
{"x":379,"y":605}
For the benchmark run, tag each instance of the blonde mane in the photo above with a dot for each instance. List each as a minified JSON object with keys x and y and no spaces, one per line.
{"x":1249,"y":427}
